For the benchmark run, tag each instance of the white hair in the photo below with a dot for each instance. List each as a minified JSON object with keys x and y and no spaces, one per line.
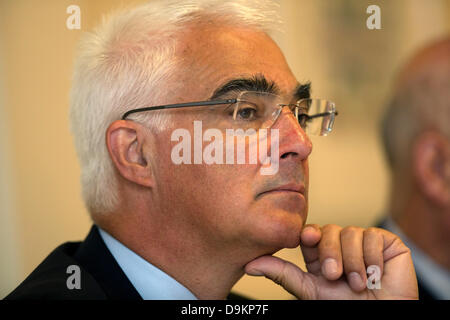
{"x":124,"y":63}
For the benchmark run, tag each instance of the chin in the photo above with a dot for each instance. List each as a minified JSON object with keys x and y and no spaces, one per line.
{"x":278,"y":229}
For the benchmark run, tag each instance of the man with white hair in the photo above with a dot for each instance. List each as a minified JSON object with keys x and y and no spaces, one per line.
{"x":416,"y":136}
{"x":147,"y":83}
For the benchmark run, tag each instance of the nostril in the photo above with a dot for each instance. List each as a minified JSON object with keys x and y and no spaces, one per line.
{"x":285,"y":155}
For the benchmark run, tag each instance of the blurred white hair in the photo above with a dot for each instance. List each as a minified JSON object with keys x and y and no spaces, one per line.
{"x":420,"y":101}
{"x":124,"y":63}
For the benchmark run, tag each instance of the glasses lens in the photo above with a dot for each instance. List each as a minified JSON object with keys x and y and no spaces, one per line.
{"x":256,"y":110}
{"x":316,"y":116}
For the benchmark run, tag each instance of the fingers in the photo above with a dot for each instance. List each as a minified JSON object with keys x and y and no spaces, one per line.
{"x":330,"y":254}
{"x":331,"y":251}
{"x":398,"y":278}
{"x":373,"y":248}
{"x":321,"y":249}
{"x":310,"y":237}
{"x":353,"y":255}
{"x":284,"y":273}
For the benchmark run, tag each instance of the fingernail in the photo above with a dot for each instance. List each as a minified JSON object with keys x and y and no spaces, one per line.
{"x":329,"y":266}
{"x":355,"y":281}
{"x":254,"y":272}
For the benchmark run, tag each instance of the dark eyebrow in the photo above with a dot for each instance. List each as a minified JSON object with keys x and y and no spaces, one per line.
{"x":302,"y":91}
{"x":256,"y":83}
{"x":259,"y":83}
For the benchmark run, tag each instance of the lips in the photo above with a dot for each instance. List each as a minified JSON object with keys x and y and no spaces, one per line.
{"x":292,"y":187}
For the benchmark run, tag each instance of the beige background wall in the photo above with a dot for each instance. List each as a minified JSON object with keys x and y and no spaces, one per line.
{"x":326,"y":42}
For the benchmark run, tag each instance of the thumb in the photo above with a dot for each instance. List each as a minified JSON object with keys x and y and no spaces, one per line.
{"x":284,"y":273}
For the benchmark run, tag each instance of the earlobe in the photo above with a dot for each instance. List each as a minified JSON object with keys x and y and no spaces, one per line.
{"x":125,"y":140}
{"x":431,"y":165}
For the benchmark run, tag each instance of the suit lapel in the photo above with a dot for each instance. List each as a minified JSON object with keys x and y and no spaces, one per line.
{"x":95,"y":257}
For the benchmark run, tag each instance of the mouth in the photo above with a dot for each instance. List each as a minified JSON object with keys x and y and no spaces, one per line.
{"x":286,"y":189}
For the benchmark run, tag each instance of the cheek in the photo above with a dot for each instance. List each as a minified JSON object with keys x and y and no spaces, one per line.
{"x":217,"y":194}
{"x":223,"y":187}
{"x":226,"y":188}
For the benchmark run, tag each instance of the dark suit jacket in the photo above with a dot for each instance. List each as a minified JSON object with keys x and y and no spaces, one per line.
{"x":101,"y":276}
{"x":424,"y":292}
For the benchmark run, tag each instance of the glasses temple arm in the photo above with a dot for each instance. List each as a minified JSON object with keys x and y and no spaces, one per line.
{"x":319,"y":114}
{"x":180,"y":105}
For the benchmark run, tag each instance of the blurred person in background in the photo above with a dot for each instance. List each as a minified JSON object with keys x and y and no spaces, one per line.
{"x":416,"y":137}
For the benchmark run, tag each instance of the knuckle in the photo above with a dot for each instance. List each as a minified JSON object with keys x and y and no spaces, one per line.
{"x":400,"y":244}
{"x":280,"y":277}
{"x":372,"y":230}
{"x":407,"y":249}
{"x":277,"y":279}
{"x":329,"y":227}
{"x":350,"y":230}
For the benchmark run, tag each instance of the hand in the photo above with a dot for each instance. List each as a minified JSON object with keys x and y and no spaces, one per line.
{"x":337,"y":259}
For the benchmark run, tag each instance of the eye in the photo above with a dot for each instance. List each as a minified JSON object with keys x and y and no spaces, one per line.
{"x":246,"y":113}
{"x":303,"y":119}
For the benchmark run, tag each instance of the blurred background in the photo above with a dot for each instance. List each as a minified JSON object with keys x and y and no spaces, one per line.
{"x":325,"y":42}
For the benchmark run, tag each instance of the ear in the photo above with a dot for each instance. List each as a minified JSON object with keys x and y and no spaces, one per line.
{"x":431,"y":166}
{"x":125,"y":141}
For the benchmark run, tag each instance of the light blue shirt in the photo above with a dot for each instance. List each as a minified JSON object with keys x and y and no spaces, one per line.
{"x":149,"y":281}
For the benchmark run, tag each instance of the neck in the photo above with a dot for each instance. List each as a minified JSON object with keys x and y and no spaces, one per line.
{"x":208,"y":272}
{"x":424,"y":225}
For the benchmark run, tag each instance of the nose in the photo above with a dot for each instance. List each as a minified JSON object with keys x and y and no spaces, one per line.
{"x":294,"y":143}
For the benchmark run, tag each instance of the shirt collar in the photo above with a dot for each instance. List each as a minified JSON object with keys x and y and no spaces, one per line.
{"x":149,"y":281}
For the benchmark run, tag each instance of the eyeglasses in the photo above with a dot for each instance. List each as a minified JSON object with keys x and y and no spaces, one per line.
{"x":259,"y":110}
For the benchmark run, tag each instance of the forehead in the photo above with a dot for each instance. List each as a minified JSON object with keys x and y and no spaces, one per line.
{"x":213,"y":55}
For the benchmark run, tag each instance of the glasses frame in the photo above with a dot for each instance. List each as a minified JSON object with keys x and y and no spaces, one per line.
{"x":221,"y":102}
{"x":181,"y":105}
